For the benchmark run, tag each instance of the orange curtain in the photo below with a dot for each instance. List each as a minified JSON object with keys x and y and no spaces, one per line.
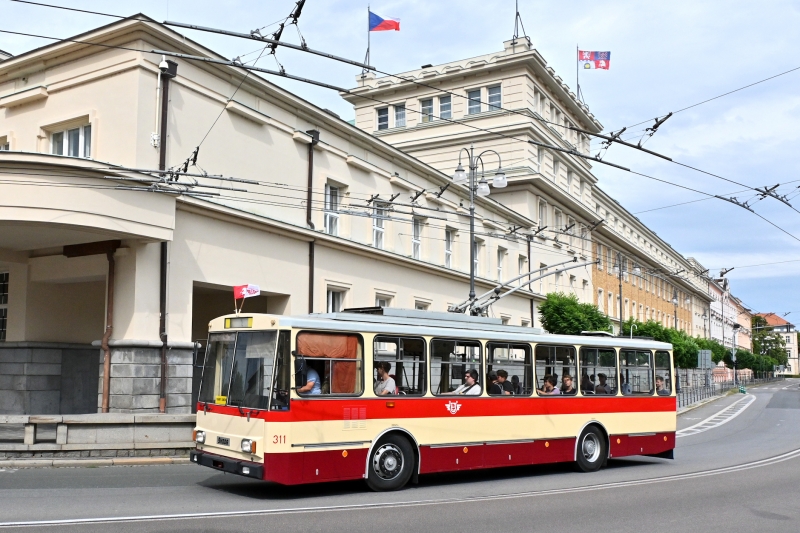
{"x":333,"y":346}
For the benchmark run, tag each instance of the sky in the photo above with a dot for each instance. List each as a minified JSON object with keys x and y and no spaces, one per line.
{"x":665,"y":56}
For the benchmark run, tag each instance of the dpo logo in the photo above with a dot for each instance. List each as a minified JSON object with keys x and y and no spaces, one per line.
{"x":453,"y":407}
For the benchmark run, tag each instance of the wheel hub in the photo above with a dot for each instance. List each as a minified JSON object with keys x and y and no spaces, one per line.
{"x":591,"y":448}
{"x":387,"y":462}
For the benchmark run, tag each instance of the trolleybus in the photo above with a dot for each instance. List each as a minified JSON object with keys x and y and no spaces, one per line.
{"x":292,"y":399}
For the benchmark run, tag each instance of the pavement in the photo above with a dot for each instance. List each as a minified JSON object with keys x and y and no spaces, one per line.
{"x":738,"y":475}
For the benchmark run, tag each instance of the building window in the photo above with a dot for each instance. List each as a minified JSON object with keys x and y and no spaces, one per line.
{"x":501,"y":255}
{"x":400,"y":116}
{"x":378,"y":219}
{"x":383,"y":118}
{"x":495,"y":102}
{"x":600,"y":300}
{"x":4,"y":144}
{"x":571,"y":226}
{"x":75,"y":142}
{"x":448,"y":248}
{"x":570,"y":177}
{"x":556,"y":169}
{"x":3,"y":304}
{"x":611,"y":306}
{"x":557,"y":220}
{"x":542,"y":214}
{"x":335,"y":300}
{"x":476,"y":246}
{"x":600,"y":257}
{"x":382,"y":300}
{"x":416,"y":239}
{"x":542,"y":267}
{"x":421,"y":306}
{"x":522,"y":267}
{"x":331,"y":210}
{"x":525,"y":323}
{"x":474,"y":105}
{"x":445,"y":108}
{"x":539,"y":160}
{"x":426,"y":106}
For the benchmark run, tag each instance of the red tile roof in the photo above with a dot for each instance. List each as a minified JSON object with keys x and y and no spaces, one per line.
{"x":773,"y":319}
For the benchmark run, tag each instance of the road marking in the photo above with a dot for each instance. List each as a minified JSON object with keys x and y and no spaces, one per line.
{"x":415,"y":503}
{"x":716,"y":420}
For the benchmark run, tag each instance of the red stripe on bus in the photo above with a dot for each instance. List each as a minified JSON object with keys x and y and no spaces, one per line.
{"x":355,"y":409}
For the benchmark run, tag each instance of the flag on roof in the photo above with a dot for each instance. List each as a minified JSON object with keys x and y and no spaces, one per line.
{"x":377,"y":23}
{"x":590,"y":60}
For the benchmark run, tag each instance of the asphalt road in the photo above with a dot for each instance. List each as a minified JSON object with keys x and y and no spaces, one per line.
{"x":741,"y":475}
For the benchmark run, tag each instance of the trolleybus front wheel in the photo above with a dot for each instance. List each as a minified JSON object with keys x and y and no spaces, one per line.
{"x":391,"y":464}
{"x":592,"y":450}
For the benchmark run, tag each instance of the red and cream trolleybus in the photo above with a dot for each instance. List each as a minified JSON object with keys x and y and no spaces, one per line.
{"x":387,"y":394}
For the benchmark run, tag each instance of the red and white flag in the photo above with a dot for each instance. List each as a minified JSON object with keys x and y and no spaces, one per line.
{"x":245,"y":291}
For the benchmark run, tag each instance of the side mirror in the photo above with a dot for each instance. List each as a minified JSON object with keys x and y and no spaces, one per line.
{"x":196,"y":353}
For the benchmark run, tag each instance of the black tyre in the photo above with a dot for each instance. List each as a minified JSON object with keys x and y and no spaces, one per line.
{"x":592,"y":450}
{"x":391,"y":464}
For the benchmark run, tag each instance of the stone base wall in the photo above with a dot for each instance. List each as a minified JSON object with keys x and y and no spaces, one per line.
{"x":46,"y":378}
{"x":136,"y":378}
{"x":83,"y":454}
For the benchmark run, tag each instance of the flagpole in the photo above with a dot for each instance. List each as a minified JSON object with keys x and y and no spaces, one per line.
{"x":368,"y":32}
{"x":577,"y":72}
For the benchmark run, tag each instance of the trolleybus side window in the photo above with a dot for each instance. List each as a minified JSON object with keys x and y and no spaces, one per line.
{"x":335,"y":358}
{"x":663,"y":374}
{"x":598,"y":371}
{"x":513,"y":368}
{"x":283,"y":374}
{"x":451,"y":360}
{"x":406,"y":357}
{"x":636,"y":372}
{"x":553,"y":365}
{"x":217,"y":368}
{"x":253,"y":362}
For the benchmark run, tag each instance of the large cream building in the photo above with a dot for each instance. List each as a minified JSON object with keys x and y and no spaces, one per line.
{"x":513,"y":103}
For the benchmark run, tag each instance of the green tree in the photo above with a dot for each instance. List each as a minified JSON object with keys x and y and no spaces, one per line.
{"x":684,"y":347}
{"x":768,"y":343}
{"x":718,"y":351}
{"x":564,"y":315}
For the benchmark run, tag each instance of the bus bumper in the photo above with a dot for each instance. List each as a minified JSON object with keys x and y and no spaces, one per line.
{"x":226,"y":464}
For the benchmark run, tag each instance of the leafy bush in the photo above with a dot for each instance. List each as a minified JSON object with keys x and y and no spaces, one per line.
{"x":563,"y":314}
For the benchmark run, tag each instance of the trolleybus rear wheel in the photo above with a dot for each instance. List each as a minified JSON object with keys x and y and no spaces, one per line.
{"x":390,"y":464}
{"x":592,"y":450}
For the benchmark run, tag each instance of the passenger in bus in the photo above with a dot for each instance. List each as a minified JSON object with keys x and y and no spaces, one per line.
{"x":602,"y":387}
{"x":566,"y":385}
{"x":312,"y":385}
{"x":385,"y":384}
{"x":516,"y":386}
{"x":660,"y":390}
{"x":549,"y":387}
{"x":470,"y":386}
{"x":626,"y":387}
{"x":586,"y":383}
{"x":499,"y":384}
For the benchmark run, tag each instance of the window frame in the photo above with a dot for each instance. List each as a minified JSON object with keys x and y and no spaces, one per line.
{"x":382,"y":113}
{"x":423,"y":366}
{"x":449,"y":240}
{"x":84,"y":141}
{"x":416,"y":238}
{"x":473,"y":104}
{"x":379,"y":226}
{"x":536,"y":375}
{"x":400,"y":115}
{"x":499,"y":94}
{"x":530,"y":366}
{"x":616,"y":371}
{"x":359,"y":367}
{"x":445,"y":107}
{"x":426,"y":110}
{"x":331,"y":209}
{"x":651,"y":369}
{"x":330,"y":297}
{"x":479,"y":365}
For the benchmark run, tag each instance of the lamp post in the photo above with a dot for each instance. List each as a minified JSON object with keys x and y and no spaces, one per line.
{"x":733,"y":354}
{"x":705,"y":318}
{"x":481,"y":189}
{"x":675,"y":303}
{"x":619,"y":269}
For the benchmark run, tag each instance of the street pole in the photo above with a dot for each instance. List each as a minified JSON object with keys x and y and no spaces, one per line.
{"x":619,"y":262}
{"x":473,"y":171}
{"x":675,"y":303}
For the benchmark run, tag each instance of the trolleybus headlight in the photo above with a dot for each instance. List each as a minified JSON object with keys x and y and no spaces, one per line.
{"x":248,"y":446}
{"x":200,"y":437}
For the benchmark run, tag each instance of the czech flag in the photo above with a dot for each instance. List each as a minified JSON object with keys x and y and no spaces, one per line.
{"x":594,"y":60}
{"x":377,"y":23}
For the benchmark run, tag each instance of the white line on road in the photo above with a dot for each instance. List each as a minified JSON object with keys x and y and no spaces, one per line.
{"x":721,"y":417}
{"x":414,"y":503}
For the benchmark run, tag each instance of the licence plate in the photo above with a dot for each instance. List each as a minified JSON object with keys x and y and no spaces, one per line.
{"x":223,"y":441}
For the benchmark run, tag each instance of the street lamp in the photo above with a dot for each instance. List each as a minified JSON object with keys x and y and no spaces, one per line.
{"x":481,"y":188}
{"x":618,"y":271}
{"x":704,"y":317}
{"x":733,"y":354}
{"x":675,"y":303}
